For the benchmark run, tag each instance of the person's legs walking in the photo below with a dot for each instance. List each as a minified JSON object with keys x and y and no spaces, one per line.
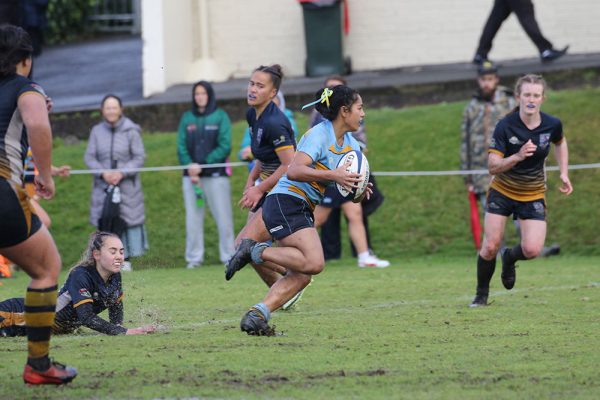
{"x":526,"y":15}
{"x":500,"y":11}
{"x":194,"y":225}
{"x":217,"y":192}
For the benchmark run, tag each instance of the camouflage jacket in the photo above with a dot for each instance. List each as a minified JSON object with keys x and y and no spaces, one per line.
{"x":479,"y":120}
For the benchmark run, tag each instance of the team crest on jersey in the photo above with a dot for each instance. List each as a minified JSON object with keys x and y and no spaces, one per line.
{"x":279,"y":140}
{"x":259,"y":134}
{"x":544,"y":140}
{"x":514,"y":140}
{"x":84,"y":292}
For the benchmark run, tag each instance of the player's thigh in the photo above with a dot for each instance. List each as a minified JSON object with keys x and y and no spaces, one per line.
{"x":533,"y":235}
{"x":308,"y":242}
{"x":37,"y":255}
{"x":321,"y":214}
{"x":254,"y":229}
{"x":494,"y":225}
{"x":352,"y":211}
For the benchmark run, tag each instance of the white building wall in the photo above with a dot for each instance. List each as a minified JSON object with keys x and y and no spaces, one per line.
{"x":243,"y":34}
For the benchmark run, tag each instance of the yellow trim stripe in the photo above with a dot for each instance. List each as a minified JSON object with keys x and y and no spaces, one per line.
{"x":40,"y":299}
{"x":11,"y":318}
{"x":82,"y":302}
{"x":344,"y":150}
{"x":296,"y":189}
{"x":121,"y":297}
{"x":40,"y":320}
{"x":38,"y":349}
{"x":511,"y":195}
{"x":278,"y":149}
{"x":560,"y":141}
{"x":501,"y":154}
{"x":321,"y":166}
{"x":31,"y":92}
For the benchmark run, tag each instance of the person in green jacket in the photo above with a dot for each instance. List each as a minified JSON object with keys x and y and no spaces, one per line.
{"x":204,"y":137}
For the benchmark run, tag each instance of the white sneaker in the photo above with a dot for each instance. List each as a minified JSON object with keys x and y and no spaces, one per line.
{"x":192,"y":265}
{"x":126,"y":267}
{"x":294,"y":300}
{"x":371,"y":261}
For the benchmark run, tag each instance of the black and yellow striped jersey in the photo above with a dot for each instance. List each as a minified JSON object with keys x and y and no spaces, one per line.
{"x":526,"y":181}
{"x":13,"y":137}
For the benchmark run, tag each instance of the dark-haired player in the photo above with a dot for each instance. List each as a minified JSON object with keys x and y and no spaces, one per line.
{"x":23,"y":239}
{"x":517,"y":156}
{"x":273,"y":145}
{"x":288,"y":209}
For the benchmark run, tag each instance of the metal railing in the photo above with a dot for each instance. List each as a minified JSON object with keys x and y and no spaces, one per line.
{"x":116,"y":16}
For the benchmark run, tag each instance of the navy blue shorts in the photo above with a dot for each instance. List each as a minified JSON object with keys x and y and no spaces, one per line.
{"x":18,"y":221}
{"x":497,"y":203}
{"x":332,"y":197}
{"x":285,"y":214}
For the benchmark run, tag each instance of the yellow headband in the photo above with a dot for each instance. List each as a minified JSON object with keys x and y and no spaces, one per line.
{"x":327,"y":93}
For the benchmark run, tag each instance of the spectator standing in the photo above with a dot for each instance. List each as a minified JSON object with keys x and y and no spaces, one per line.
{"x":116,"y":144}
{"x":204,"y":137}
{"x":525,"y":13}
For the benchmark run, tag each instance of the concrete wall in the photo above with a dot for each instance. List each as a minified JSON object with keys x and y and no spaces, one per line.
{"x":186,"y":40}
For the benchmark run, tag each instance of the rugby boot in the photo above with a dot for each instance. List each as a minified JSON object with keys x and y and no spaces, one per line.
{"x":255,"y":324}
{"x":480,"y":300}
{"x":240,"y":258}
{"x":57,"y":374}
{"x":509,"y":275}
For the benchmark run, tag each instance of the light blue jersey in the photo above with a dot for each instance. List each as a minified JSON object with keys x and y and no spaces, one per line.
{"x":320,"y":145}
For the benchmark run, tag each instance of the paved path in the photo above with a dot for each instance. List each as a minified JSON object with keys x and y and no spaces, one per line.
{"x":77,"y":76}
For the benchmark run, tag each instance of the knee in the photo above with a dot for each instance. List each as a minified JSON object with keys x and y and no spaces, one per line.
{"x":489,"y":249}
{"x":531,"y":251}
{"x":314,"y":267}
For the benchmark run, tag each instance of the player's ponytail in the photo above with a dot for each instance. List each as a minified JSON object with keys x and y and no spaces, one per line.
{"x":329,"y":101}
{"x":95,"y":243}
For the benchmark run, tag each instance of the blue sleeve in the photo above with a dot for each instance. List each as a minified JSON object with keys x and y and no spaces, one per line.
{"x":312,"y":144}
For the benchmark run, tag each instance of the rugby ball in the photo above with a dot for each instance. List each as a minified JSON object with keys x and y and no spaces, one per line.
{"x":357,"y":163}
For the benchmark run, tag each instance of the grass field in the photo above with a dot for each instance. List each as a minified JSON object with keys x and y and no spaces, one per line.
{"x":404,"y":332}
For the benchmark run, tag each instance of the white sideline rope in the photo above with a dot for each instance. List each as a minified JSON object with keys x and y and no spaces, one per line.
{"x":380,"y":173}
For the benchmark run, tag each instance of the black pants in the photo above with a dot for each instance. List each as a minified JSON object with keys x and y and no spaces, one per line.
{"x":524,"y":12}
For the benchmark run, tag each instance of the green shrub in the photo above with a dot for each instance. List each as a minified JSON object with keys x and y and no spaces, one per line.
{"x":68,"y":20}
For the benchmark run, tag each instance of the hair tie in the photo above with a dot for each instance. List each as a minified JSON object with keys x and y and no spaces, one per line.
{"x":327,"y":93}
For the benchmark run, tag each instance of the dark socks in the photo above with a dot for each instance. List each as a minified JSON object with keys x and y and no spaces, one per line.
{"x":515,"y":254}
{"x":40,"y":305}
{"x":485,"y":271}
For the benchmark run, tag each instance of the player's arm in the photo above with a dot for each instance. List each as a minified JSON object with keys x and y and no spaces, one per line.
{"x":285,"y":155}
{"x":85,"y":315}
{"x":561,"y":152}
{"x":32,"y":106}
{"x":497,"y":163}
{"x":115,"y":313}
{"x":300,"y":170}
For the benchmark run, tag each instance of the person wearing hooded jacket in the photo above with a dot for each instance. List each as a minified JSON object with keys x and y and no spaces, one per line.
{"x":204,"y":137}
{"x":116,"y":143}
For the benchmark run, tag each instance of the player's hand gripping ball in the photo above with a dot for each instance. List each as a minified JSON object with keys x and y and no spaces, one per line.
{"x":357,"y":164}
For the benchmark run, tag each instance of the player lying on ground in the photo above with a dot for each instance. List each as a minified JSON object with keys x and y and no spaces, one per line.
{"x":93,"y":286}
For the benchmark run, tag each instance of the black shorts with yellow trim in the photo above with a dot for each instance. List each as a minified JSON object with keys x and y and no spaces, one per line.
{"x":499,"y":204}
{"x":285,"y":214}
{"x":18,"y":220}
{"x":12,"y":317}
